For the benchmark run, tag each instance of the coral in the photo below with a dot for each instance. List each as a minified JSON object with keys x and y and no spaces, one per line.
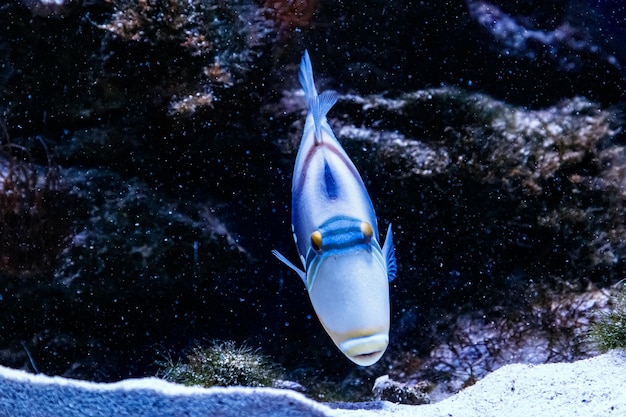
{"x":610,"y":331}
{"x":157,"y":269}
{"x":222,"y":364}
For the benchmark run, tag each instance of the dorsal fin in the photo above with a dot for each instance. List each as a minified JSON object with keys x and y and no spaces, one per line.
{"x":322,"y":104}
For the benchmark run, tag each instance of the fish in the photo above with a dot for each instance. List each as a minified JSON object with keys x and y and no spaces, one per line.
{"x":345,"y":270}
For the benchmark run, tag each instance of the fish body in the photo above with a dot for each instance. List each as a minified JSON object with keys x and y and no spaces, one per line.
{"x":346,"y":271}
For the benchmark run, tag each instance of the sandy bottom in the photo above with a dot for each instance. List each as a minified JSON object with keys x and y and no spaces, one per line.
{"x":592,"y":387}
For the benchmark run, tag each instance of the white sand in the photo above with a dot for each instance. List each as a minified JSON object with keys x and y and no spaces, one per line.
{"x":588,"y":388}
{"x":593,"y":387}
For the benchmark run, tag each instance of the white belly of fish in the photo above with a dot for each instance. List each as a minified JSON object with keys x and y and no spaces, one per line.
{"x":350,"y":295}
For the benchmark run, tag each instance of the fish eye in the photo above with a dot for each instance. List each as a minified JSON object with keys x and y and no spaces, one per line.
{"x":367,"y":231}
{"x":316,"y":240}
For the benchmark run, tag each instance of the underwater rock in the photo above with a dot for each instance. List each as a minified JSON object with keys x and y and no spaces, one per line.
{"x":552,"y":330}
{"x":290,"y":385}
{"x":386,"y":389}
{"x":137,"y":264}
{"x":546,"y":41}
{"x":529,"y":53}
{"x":52,"y":8}
{"x":135,"y":61}
{"x":34,"y":221}
{"x":525,"y":177}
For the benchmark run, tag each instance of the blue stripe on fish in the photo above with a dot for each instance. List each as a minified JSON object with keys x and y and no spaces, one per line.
{"x":341,"y":235}
{"x":330,"y":182}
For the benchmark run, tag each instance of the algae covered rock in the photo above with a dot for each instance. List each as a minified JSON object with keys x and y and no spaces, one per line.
{"x":223,"y":364}
{"x":386,"y":389}
{"x":156,"y":58}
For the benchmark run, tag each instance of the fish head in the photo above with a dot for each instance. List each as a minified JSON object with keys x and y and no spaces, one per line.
{"x":350,"y":295}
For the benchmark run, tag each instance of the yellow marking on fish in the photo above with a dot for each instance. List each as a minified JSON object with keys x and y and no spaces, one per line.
{"x":316,"y":240}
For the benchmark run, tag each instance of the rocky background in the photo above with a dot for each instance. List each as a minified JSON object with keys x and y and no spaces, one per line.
{"x":146,"y":162}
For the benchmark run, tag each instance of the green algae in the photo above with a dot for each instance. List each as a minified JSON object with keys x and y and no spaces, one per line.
{"x":610,"y":331}
{"x":223,"y":363}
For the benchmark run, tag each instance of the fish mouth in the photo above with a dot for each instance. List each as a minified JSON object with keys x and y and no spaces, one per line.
{"x":367,"y":350}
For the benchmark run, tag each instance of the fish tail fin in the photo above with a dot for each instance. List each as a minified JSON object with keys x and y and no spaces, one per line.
{"x":389,"y":253}
{"x":306,"y":77}
{"x":319,"y":105}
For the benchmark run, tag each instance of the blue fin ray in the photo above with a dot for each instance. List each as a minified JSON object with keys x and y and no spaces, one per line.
{"x":389,"y":254}
{"x":306,"y":77}
{"x":287,"y":262}
{"x":319,"y":105}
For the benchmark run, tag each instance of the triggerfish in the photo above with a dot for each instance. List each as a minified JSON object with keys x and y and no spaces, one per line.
{"x":346,"y":272}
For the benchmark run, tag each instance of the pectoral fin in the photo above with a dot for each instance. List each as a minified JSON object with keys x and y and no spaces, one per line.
{"x":389,"y":254}
{"x":287,"y":262}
